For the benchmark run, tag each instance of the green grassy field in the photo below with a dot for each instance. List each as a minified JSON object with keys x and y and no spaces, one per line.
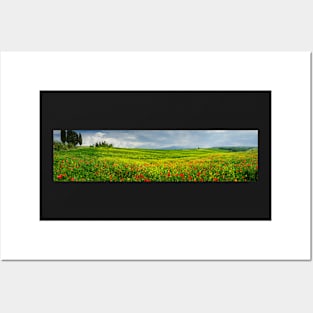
{"x":89,"y":164}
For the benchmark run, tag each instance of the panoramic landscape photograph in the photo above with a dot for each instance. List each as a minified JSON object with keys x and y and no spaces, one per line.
{"x":155,"y":156}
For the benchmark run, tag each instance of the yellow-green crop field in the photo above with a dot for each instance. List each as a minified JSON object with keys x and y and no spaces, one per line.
{"x":102,"y":164}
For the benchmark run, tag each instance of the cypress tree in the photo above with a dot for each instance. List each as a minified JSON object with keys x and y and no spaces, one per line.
{"x":80,"y":140}
{"x":76,"y":138}
{"x":63,"y":135}
{"x":70,"y":136}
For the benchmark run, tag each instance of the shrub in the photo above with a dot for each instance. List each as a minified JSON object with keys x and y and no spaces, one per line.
{"x":59,"y":146}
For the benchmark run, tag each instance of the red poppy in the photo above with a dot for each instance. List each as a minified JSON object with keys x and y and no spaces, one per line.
{"x":215,"y":179}
{"x":168,"y":174}
{"x":72,"y":179}
{"x":60,"y":176}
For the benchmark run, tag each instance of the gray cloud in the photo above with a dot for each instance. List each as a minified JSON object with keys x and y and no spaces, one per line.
{"x":168,"y":138}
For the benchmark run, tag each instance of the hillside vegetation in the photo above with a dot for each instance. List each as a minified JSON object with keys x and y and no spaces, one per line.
{"x":102,"y":164}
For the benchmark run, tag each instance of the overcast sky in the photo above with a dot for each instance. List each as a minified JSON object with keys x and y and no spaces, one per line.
{"x":158,"y":139}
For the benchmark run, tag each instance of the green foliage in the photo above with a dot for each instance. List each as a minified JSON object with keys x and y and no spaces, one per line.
{"x":57,"y":146}
{"x":144,"y":165}
{"x":70,"y":145}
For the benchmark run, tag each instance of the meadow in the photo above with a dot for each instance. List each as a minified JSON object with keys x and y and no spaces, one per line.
{"x":102,"y":164}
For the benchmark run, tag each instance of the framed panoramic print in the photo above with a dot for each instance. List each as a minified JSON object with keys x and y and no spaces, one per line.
{"x":194,"y":155}
{"x":155,"y":155}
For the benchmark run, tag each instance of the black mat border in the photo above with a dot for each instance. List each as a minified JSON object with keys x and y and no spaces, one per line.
{"x":42,"y":217}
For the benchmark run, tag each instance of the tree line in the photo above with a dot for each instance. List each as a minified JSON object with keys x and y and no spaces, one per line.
{"x":102,"y":144}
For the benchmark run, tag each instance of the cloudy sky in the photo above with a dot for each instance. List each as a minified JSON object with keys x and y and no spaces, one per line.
{"x":159,"y":139}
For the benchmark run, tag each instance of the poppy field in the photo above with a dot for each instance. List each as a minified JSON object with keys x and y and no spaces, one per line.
{"x":116,"y":165}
